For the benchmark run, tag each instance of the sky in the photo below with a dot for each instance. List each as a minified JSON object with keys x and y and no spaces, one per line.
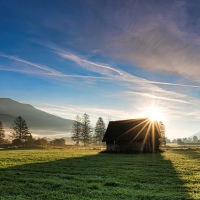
{"x":112,"y":59}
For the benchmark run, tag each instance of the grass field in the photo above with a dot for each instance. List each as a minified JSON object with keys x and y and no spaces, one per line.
{"x":89,"y":174}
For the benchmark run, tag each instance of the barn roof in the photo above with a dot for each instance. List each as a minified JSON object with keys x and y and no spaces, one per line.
{"x":133,"y":129}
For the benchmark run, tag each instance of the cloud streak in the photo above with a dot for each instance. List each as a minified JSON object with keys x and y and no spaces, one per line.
{"x":96,"y":67}
{"x":151,"y":96}
{"x":44,"y":69}
{"x":92,"y":66}
{"x":41,"y":67}
{"x":122,"y":75}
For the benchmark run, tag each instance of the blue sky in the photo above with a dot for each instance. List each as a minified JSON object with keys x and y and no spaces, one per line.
{"x":114,"y":59}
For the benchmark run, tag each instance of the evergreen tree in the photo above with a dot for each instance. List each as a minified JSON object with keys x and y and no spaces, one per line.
{"x":86,"y":129}
{"x":2,"y":132}
{"x":19,"y":129}
{"x":99,"y":130}
{"x":76,"y":130}
{"x":162,"y":132}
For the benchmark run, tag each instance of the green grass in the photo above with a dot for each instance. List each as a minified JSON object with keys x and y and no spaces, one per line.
{"x":89,"y":174}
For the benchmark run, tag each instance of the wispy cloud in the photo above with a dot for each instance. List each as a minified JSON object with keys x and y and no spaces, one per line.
{"x":158,"y":36}
{"x":107,"y":70}
{"x":155,"y":97}
{"x":41,"y":67}
{"x":44,"y":70}
{"x":92,"y":66}
{"x":171,"y":84}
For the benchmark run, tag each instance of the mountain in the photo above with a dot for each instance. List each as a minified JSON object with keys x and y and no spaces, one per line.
{"x":39,"y":122}
{"x":196,"y":134}
{"x":6,"y":119}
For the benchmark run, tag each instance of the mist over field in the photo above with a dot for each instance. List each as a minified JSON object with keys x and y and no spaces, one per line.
{"x":40,"y":123}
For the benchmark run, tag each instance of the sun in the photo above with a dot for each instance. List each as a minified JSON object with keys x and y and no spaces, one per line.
{"x":154,"y":113}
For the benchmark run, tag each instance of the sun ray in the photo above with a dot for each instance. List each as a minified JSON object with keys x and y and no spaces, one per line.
{"x":134,"y":127}
{"x":153,"y":136}
{"x":157,"y":128}
{"x":147,"y":122}
{"x":145,"y":138}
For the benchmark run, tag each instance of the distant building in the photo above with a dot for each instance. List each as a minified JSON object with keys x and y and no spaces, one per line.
{"x":134,"y":135}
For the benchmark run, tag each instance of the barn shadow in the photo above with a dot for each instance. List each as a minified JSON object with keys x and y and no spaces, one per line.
{"x":99,"y":176}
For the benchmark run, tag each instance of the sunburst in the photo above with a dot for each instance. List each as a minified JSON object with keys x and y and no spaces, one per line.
{"x":151,"y":127}
{"x":154,"y":113}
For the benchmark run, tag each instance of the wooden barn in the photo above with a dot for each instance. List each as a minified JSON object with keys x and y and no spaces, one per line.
{"x":135,"y":135}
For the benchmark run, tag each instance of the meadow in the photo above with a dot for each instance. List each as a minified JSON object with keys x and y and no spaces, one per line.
{"x":91,"y":174}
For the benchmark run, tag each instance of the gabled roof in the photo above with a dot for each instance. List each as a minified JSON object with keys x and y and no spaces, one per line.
{"x":133,"y":129}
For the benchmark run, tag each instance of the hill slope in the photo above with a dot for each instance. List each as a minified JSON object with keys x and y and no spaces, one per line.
{"x":37,"y":120}
{"x":196,"y":134}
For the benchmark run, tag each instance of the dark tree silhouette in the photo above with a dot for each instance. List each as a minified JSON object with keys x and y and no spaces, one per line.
{"x":86,"y":129}
{"x":99,"y":130}
{"x":76,"y":130}
{"x":162,"y":132}
{"x":19,"y":129}
{"x":2,"y":132}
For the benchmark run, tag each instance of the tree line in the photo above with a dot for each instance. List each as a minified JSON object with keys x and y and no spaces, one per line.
{"x":82,"y":131}
{"x":194,"y":139}
{"x":21,"y":136}
{"x":185,"y":140}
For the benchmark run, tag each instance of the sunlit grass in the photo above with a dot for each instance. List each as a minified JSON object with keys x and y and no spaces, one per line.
{"x":88,"y":174}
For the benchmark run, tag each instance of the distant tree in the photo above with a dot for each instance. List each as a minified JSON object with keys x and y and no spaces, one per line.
{"x":30,"y":142}
{"x":58,"y":142}
{"x":179,"y":141}
{"x":99,"y":130}
{"x":174,"y":140}
{"x":195,"y":139}
{"x":185,"y":140}
{"x":86,"y":129}
{"x":162,"y":132}
{"x":2,"y":132}
{"x":168,"y":140}
{"x":41,"y":142}
{"x":19,"y":129}
{"x":76,"y":130}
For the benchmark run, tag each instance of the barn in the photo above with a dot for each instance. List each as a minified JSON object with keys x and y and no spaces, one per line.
{"x":134,"y":135}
